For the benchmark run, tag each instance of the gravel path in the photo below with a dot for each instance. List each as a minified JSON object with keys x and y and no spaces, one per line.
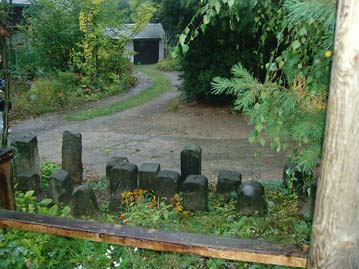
{"x":156,"y":132}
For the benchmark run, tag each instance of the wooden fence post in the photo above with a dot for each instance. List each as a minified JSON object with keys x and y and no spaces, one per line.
{"x":7,"y":197}
{"x":335,"y":234}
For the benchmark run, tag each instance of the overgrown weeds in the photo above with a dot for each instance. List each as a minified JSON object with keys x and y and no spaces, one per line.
{"x":282,"y":223}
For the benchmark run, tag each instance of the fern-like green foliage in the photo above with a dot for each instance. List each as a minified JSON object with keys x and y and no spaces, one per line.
{"x":311,"y":12}
{"x":281,"y":116}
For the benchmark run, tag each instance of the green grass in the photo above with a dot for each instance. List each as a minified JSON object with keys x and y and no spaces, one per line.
{"x":160,"y":86}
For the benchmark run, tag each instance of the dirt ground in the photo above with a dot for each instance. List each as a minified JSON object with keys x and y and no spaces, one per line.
{"x":156,"y":132}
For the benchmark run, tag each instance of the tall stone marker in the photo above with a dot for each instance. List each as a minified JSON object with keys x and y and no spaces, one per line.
{"x":27,"y":158}
{"x":72,"y":156}
{"x":191,"y":162}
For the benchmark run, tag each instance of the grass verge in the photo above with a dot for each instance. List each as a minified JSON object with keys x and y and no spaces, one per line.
{"x":160,"y":85}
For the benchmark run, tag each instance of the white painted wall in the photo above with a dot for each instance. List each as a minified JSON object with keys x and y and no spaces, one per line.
{"x":129,"y":51}
{"x":162,"y":50}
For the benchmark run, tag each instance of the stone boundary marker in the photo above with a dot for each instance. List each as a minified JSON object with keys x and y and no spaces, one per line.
{"x":191,"y":162}
{"x":166,"y":184}
{"x":251,"y":198}
{"x":27,"y":163}
{"x":84,"y":201}
{"x":60,"y":187}
{"x":123,"y":176}
{"x":228,"y":183}
{"x":114,"y":161}
{"x":72,"y":156}
{"x":28,"y":181}
{"x":147,"y":175}
{"x":195,"y":193}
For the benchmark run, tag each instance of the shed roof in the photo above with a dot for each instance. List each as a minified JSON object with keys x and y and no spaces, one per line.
{"x":152,"y":31}
{"x":21,"y":2}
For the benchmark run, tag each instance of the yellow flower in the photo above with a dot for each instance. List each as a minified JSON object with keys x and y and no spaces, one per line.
{"x":185,"y":214}
{"x":153,"y":203}
{"x":328,"y":54}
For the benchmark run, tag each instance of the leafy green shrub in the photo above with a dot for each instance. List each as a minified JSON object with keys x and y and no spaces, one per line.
{"x":213,"y":53}
{"x":168,"y":64}
{"x":45,"y":95}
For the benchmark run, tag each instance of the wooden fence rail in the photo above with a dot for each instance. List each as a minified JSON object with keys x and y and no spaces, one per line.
{"x":204,"y":245}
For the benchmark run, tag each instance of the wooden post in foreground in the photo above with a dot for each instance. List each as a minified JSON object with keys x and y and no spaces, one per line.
{"x":7,"y":197}
{"x":335,"y":235}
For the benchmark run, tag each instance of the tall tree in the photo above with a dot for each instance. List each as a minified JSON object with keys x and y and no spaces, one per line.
{"x":335,"y":234}
{"x":4,"y":37}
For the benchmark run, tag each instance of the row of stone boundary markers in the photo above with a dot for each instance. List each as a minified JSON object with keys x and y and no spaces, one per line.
{"x":66,"y":185}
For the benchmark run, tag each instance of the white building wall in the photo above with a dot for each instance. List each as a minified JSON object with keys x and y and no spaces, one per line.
{"x":162,"y":50}
{"x":129,"y":51}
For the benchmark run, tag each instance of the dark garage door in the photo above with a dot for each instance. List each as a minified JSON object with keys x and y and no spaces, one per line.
{"x":147,"y":51}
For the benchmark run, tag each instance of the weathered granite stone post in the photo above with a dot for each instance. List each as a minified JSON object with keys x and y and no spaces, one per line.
{"x":195,"y":193}
{"x":123,"y":178}
{"x":228,"y":183}
{"x":72,"y":156}
{"x":307,"y":200}
{"x":147,"y":175}
{"x":28,"y":181}
{"x":84,"y":201}
{"x":114,"y":161}
{"x":60,"y":187}
{"x":251,"y":198}
{"x":166,"y":184}
{"x":191,"y":162}
{"x":27,"y":158}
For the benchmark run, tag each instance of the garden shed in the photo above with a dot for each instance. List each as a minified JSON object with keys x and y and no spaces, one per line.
{"x":18,"y":7}
{"x":147,"y":47}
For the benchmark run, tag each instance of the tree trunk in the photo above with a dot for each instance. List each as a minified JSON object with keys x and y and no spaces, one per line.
{"x":7,"y":194}
{"x":335,"y":234}
{"x":5,"y":113}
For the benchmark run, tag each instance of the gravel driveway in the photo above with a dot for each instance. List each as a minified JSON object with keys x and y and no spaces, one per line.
{"x":156,"y":132}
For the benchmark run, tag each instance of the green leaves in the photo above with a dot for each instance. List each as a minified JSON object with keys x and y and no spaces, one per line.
{"x":231,"y":3}
{"x":296,"y":44}
{"x":206,"y":19}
